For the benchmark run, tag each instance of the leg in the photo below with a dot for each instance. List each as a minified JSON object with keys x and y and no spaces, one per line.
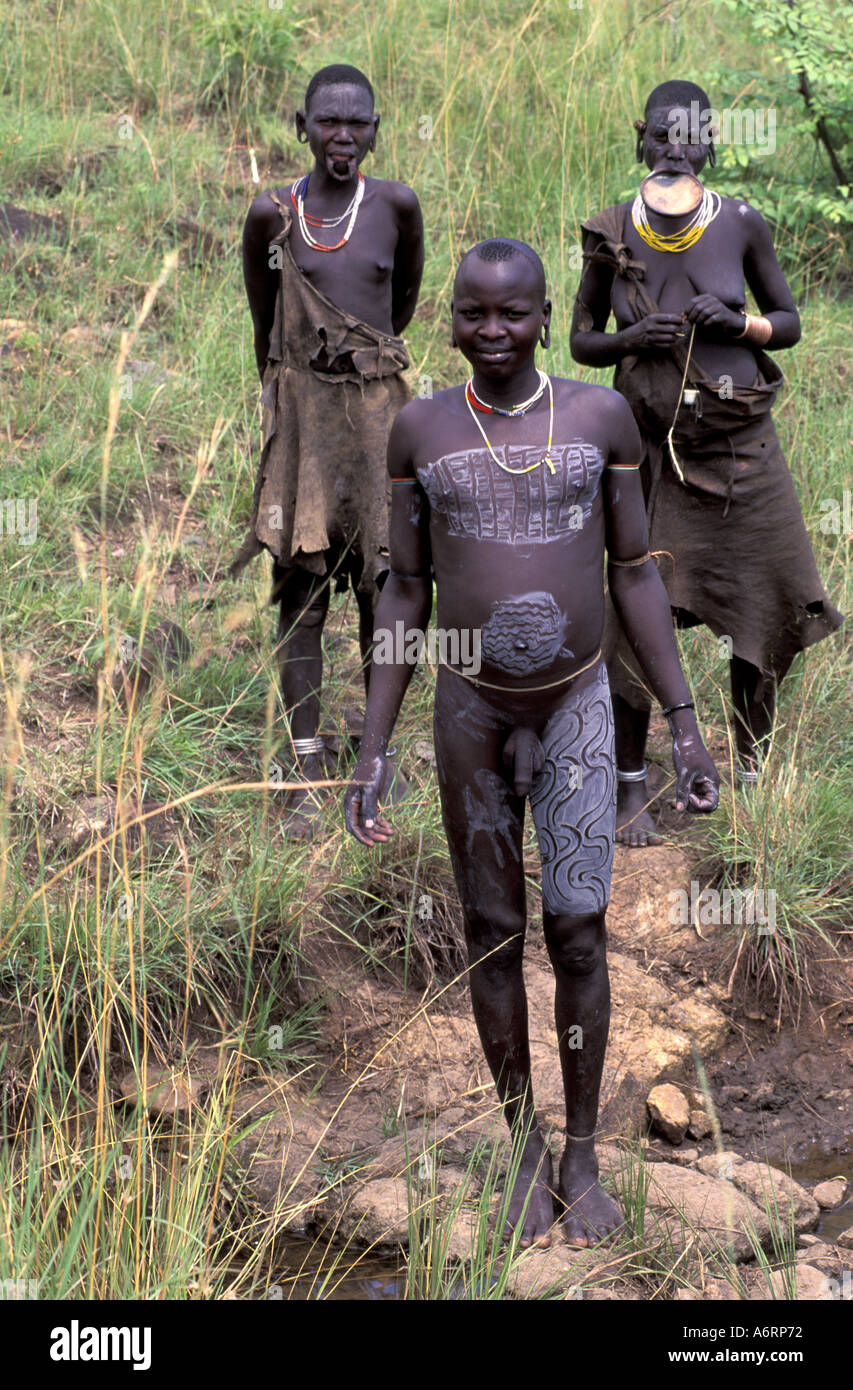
{"x":394,"y":785}
{"x":754,"y":700}
{"x":576,"y":947}
{"x":483,"y":820}
{"x":631,"y":709}
{"x":573,"y":802}
{"x":634,"y":824}
{"x":303,"y":605}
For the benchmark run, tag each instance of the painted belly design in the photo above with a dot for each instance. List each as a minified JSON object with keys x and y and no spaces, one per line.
{"x":523,"y":635}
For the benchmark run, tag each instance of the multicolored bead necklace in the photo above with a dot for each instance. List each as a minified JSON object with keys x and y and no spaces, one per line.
{"x":474,"y":404}
{"x":297,"y":197}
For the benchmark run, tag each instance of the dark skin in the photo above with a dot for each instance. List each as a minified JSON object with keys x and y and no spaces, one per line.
{"x":375,"y":277}
{"x":703,"y":286}
{"x":500,"y":314}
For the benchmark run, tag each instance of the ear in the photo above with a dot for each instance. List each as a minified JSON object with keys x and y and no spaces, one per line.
{"x":712,"y":155}
{"x":453,"y":342}
{"x":640,"y":127}
{"x":301,"y":133}
{"x":545,"y":335}
{"x":372,"y":145}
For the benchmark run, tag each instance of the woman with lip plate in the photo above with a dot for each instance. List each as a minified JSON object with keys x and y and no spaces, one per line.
{"x":724,"y":520}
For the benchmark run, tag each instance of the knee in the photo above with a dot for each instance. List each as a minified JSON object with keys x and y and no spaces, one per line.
{"x":306,"y":610}
{"x":495,"y":939}
{"x":576,"y":945}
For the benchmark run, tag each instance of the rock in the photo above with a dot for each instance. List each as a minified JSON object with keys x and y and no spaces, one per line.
{"x":684,"y":1157}
{"x":376,"y":1214}
{"x":845,"y":1240}
{"x":700,"y":1126}
{"x":818,"y":1251}
{"x":165,"y":1092}
{"x":722,"y":1291}
{"x":559,"y":1270}
{"x":719,"y":1165}
{"x":706,"y":1213}
{"x":669,"y":1113}
{"x":769,"y":1188}
{"x":282,"y":1153}
{"x":810,"y":1283}
{"x":829,"y":1195}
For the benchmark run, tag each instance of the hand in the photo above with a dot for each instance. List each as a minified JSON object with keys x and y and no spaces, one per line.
{"x":706,"y":311}
{"x":361,"y":803}
{"x":698,"y":781}
{"x":654,"y":331}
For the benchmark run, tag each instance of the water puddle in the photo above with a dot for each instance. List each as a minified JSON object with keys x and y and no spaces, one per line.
{"x":809,"y":1162}
{"x":307,"y":1271}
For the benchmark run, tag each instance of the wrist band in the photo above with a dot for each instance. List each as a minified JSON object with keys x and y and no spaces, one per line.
{"x":633,"y":776}
{"x":670,"y":709}
{"x":746,"y":775}
{"x":580,"y":1138}
{"x":757,"y":329}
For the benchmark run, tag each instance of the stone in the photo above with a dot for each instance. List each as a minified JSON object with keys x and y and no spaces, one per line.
{"x":705,"y":1213}
{"x":669,"y":1112}
{"x":845,"y":1240}
{"x":811,"y":1284}
{"x":165,"y":1092}
{"x":818,"y":1251}
{"x":281,"y":1150}
{"x":769,"y":1188}
{"x":684,"y":1157}
{"x":721,"y":1291}
{"x":700,"y":1126}
{"x":376,"y":1214}
{"x":830,"y":1195}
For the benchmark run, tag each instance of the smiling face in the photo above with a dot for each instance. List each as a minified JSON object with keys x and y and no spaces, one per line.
{"x":341,"y":126}
{"x":672,"y":141}
{"x":499,"y":310}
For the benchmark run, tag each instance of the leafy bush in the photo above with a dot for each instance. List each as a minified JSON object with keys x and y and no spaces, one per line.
{"x":250,"y":48}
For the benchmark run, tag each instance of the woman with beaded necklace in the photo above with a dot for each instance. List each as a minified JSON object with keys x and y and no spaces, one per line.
{"x":724,"y":520}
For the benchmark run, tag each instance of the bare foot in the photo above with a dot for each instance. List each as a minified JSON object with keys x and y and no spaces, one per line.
{"x":634,"y":825}
{"x":534,"y":1185}
{"x":591,"y":1213}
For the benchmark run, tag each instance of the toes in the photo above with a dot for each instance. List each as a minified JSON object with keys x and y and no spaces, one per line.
{"x":575,"y":1232}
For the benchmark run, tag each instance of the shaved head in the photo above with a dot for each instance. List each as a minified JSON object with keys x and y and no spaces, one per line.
{"x":506,"y":249}
{"x":338,"y":75}
{"x":676,"y":94}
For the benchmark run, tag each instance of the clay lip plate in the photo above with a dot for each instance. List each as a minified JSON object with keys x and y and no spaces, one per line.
{"x":671,"y":195}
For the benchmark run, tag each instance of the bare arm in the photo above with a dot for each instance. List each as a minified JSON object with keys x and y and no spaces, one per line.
{"x":640,"y":599}
{"x":260,"y":277}
{"x":763,"y":274}
{"x":408,"y":260}
{"x":593,"y":347}
{"x":406,"y":598}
